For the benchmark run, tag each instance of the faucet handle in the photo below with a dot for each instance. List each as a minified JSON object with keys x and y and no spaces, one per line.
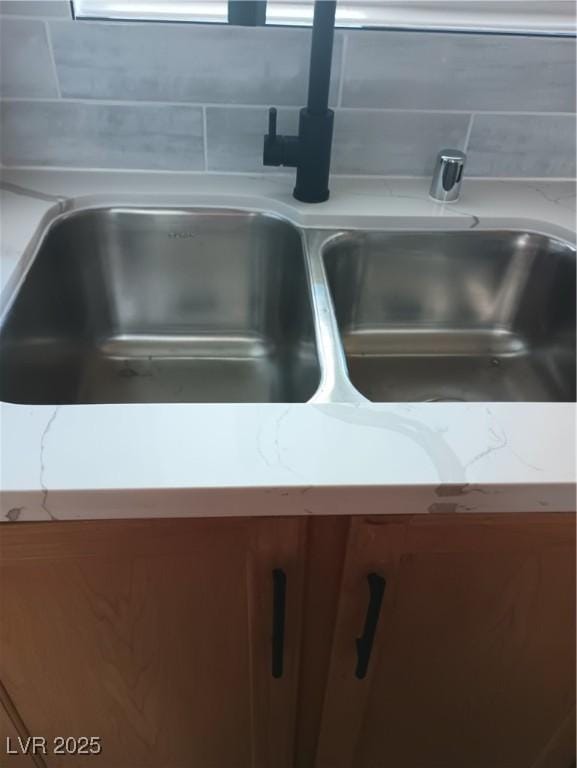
{"x":448,"y":174}
{"x":279,"y":150}
{"x":272,"y":123}
{"x":272,"y":151}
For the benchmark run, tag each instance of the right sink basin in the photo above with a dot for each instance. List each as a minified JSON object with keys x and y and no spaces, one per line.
{"x":455,"y":316}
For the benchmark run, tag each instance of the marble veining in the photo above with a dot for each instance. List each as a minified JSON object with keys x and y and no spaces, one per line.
{"x":106,"y":461}
{"x":43,"y":464}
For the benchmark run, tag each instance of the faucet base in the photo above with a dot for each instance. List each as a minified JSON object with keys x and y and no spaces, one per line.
{"x":303,"y":197}
{"x":315,"y":140}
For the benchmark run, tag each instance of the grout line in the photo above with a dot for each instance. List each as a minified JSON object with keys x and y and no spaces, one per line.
{"x":342,"y":69}
{"x":417,"y":111}
{"x":205,"y":138}
{"x":222,"y":105}
{"x":197,"y":26}
{"x":468,"y":134}
{"x":147,"y":103}
{"x":555,"y":33}
{"x":52,"y":59}
{"x":262,"y":176}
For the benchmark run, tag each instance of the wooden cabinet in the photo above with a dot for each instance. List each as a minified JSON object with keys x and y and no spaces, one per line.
{"x":409,"y":641}
{"x":12,"y":751}
{"x":154,"y":636}
{"x":473,"y":660}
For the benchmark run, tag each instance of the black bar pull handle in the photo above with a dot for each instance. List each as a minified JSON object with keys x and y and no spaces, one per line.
{"x":365,"y":642}
{"x":278,"y":620}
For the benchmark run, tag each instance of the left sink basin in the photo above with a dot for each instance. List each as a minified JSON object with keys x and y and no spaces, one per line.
{"x":149,"y":306}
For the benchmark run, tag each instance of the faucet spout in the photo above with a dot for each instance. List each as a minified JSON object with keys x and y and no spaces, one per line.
{"x":321,"y":56}
{"x":310,"y":151}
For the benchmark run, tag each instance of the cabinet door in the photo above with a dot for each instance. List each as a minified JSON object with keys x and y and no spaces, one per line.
{"x":473,"y":660}
{"x":155,"y":636}
{"x":13,"y":739}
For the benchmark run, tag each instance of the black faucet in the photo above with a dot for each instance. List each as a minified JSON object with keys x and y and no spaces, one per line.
{"x":310,"y":151}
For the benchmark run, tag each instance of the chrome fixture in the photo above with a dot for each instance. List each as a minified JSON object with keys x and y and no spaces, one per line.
{"x":197,"y":305}
{"x":448,"y":175}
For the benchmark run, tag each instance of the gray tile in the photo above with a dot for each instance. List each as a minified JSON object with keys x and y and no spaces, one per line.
{"x":521,"y":145}
{"x":166,"y":62}
{"x":101,"y":136}
{"x":235,"y":136}
{"x":26,"y":68}
{"x":397,"y":143}
{"x":418,"y":70}
{"x":41,"y":8}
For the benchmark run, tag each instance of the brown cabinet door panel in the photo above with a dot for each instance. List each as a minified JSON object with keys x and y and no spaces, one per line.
{"x":474,"y":657}
{"x":154,"y":636}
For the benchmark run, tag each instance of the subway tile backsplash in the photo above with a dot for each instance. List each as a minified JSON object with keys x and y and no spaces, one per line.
{"x":183,"y":62}
{"x":26,"y":68}
{"x":78,"y":134}
{"x":188,"y":97}
{"x":235,"y":136}
{"x":407,"y":70}
{"x":516,"y":145}
{"x":394,"y":143}
{"x":40,"y":8}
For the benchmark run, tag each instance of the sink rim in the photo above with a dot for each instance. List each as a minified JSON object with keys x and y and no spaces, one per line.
{"x":335,"y":385}
{"x":268,"y":242}
{"x":487,"y":226}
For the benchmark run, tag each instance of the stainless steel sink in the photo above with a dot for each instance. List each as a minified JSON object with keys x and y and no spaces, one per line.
{"x":136,"y":305}
{"x":455,"y":316}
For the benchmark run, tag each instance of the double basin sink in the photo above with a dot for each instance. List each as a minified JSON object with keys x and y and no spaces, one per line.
{"x":126,"y":305}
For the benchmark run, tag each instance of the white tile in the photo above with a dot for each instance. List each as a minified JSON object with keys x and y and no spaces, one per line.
{"x":41,"y":8}
{"x":396,"y":143}
{"x":236,"y":135}
{"x":79,"y":135}
{"x":521,"y":145}
{"x":187,"y":62}
{"x":26,"y":69}
{"x":424,"y":70}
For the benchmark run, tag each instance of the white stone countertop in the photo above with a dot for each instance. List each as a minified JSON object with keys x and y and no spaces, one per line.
{"x":160,"y":460}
